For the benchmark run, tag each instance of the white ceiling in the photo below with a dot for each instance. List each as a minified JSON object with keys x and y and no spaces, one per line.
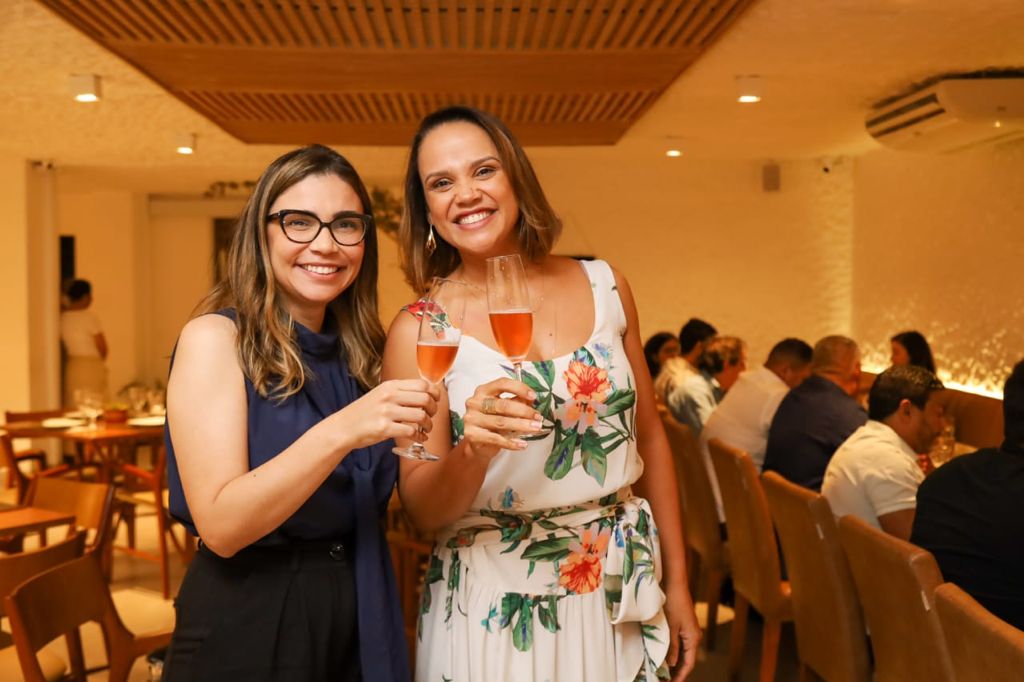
{"x":823,"y":63}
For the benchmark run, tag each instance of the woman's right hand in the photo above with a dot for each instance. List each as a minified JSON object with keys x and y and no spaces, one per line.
{"x":394,"y":409}
{"x":493,"y":423}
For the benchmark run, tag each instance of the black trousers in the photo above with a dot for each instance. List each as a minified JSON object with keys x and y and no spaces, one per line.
{"x":267,"y":614}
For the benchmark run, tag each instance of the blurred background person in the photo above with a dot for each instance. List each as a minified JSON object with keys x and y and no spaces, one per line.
{"x":816,"y":417}
{"x":911,"y":348}
{"x":970,"y":515}
{"x":874,"y":475}
{"x":659,"y":348}
{"x":84,"y":344}
{"x":691,"y":395}
{"x":693,"y":337}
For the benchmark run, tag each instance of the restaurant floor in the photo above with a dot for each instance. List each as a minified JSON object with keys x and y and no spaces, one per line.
{"x":136,"y":590}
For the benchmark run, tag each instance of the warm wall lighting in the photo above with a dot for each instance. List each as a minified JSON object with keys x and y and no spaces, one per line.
{"x":748,"y":89}
{"x":85,"y":87}
{"x":186,"y":144}
{"x":673,"y":153}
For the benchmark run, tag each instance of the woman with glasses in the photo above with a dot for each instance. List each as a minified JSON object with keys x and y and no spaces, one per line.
{"x":548,"y":564}
{"x":279,"y":444}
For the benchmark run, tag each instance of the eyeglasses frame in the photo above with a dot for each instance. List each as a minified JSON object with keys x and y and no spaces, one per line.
{"x":366,"y":219}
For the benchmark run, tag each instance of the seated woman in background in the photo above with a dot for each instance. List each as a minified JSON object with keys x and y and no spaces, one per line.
{"x":911,"y":348}
{"x":658,"y":349}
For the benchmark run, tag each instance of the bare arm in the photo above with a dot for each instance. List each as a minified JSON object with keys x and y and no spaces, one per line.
{"x":101,"y":344}
{"x":436,"y":494}
{"x":898,"y":523}
{"x":233,"y":506}
{"x":658,"y":485}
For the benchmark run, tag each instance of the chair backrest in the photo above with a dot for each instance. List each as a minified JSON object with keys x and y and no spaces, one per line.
{"x":982,"y":647}
{"x":91,"y":503}
{"x":830,"y":633}
{"x":8,"y":460}
{"x":32,"y":416}
{"x":896,"y":582}
{"x":58,"y":602}
{"x":17,"y":568}
{"x":700,"y":516}
{"x":753,"y":554}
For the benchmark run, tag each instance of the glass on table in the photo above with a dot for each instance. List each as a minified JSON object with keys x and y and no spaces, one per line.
{"x":437,"y":344}
{"x":90,"y":403}
{"x":944,"y":447}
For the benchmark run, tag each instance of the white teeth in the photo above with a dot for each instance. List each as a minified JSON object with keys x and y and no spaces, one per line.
{"x":474,"y":218}
{"x":321,"y":269}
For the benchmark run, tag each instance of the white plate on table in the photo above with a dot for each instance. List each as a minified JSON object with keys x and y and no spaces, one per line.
{"x":62,"y":422}
{"x":157,"y":420}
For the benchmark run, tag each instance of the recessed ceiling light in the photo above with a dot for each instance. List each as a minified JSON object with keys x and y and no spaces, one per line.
{"x":748,"y":89}
{"x":998,"y":124}
{"x":673,"y":153}
{"x":85,"y":87}
{"x":186,"y":144}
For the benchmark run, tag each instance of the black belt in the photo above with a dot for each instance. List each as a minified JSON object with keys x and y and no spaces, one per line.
{"x":338,"y":550}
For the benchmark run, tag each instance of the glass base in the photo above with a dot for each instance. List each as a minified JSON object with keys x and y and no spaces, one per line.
{"x":415,"y":451}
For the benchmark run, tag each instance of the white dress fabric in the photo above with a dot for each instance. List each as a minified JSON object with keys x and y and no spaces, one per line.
{"x":553,"y":574}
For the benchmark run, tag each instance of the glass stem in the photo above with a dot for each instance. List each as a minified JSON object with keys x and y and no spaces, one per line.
{"x":518,"y":366}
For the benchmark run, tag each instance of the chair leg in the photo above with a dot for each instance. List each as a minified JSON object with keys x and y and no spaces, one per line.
{"x":739,"y":636}
{"x":128,"y":516}
{"x":165,"y":579}
{"x":715,"y":580}
{"x":770,"y":649}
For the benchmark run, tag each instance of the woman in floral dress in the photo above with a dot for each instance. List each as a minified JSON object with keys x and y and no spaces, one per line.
{"x":555,"y":559}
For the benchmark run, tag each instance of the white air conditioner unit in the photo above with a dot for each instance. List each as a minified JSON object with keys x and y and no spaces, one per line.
{"x":951,"y":115}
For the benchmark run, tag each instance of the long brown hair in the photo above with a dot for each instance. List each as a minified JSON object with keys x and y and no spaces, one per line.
{"x":267,"y":348}
{"x":537,"y":228}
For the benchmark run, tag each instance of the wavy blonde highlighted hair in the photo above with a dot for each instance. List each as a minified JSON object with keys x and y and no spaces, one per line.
{"x":267,"y":348}
{"x":538,"y":226}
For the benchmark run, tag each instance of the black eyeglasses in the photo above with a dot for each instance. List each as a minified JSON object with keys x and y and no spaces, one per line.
{"x":348,"y":228}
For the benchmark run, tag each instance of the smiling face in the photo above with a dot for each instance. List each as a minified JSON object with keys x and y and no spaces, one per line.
{"x":309,"y":276}
{"x":470,"y":199}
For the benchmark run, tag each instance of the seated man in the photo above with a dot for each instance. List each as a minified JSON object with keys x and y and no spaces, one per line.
{"x":874,"y":475}
{"x":743,"y":417}
{"x":970,"y":515}
{"x":817,"y":416}
{"x":692,"y":395}
{"x":693,"y":339}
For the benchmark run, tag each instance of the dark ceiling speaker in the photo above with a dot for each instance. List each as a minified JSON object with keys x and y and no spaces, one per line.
{"x":771,"y":177}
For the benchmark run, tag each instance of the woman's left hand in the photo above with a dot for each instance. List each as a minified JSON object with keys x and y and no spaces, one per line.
{"x":683,"y":630}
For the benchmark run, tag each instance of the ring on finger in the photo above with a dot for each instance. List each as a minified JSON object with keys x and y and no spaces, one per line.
{"x":488,"y":406}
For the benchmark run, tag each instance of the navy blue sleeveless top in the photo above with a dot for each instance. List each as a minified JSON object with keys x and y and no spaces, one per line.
{"x":349,"y":504}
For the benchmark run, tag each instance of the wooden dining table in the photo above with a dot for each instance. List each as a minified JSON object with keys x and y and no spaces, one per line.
{"x":17,"y":520}
{"x":107,"y":444}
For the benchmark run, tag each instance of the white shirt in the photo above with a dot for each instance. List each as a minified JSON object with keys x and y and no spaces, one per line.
{"x":78,"y":330}
{"x":873,"y":473}
{"x":743,"y":418}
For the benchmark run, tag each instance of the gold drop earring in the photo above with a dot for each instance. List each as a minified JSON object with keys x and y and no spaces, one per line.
{"x":431,"y":245}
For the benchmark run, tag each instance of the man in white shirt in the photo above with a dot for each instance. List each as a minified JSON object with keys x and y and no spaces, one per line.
{"x":84,"y":343}
{"x":745,"y":414}
{"x":874,"y":474}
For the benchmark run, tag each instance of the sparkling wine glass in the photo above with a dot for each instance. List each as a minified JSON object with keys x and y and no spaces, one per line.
{"x":508,"y":306}
{"x":437,"y":343}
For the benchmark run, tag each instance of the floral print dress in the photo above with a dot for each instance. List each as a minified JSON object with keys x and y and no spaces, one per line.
{"x":553,"y":574}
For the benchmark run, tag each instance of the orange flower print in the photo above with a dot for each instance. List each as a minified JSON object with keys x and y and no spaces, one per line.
{"x":588,"y":387}
{"x":580,"y":572}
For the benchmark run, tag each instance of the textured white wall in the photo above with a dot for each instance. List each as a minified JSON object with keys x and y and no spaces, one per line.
{"x":939,"y":247}
{"x":15,"y":389}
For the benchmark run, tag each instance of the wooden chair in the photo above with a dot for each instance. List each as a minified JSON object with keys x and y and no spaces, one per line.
{"x":33,"y":454}
{"x":753,"y":554}
{"x":410,"y":556}
{"x":147,"y":488}
{"x":708,"y":558}
{"x":896,"y":582}
{"x":982,"y":647}
{"x":16,"y":569}
{"x":830,"y":632}
{"x":91,"y":503}
{"x":60,"y":601}
{"x":13,"y":461}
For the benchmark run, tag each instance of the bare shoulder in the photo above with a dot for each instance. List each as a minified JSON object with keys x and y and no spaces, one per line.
{"x":208,"y":333}
{"x":399,"y":360}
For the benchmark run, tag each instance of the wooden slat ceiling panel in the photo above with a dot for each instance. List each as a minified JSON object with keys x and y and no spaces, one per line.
{"x":366,"y":71}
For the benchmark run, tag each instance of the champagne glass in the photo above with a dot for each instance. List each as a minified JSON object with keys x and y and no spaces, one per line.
{"x":437,"y":344}
{"x":508,"y":306}
{"x":89,"y":403}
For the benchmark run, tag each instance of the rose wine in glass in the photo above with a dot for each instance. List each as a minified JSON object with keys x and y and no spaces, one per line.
{"x":437,"y":344}
{"x":508,"y":305}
